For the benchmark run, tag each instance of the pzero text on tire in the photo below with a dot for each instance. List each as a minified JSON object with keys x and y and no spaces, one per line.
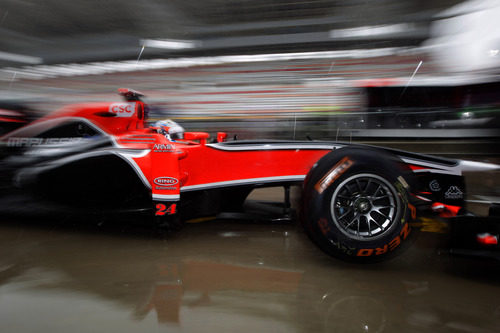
{"x":356,"y":204}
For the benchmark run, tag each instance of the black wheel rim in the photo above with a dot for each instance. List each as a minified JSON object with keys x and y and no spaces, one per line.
{"x":364,"y":206}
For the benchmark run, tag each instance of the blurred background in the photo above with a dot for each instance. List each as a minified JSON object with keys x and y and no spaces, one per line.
{"x":373,"y":71}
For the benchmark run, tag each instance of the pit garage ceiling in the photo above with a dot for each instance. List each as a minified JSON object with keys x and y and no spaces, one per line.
{"x":57,"y":31}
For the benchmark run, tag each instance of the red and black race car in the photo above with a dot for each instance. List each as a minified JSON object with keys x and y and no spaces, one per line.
{"x":358,"y":201}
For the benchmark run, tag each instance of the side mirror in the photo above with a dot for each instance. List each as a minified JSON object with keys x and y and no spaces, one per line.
{"x":201,"y":136}
{"x":221,"y":136}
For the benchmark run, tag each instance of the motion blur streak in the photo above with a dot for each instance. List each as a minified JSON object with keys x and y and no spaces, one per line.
{"x":42,"y":72}
{"x":357,"y":81}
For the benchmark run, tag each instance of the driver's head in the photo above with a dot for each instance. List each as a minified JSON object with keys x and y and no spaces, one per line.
{"x":170,"y":129}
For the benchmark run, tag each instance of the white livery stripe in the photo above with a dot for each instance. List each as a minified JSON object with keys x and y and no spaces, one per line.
{"x":434,"y":167}
{"x":166,"y":197}
{"x":129,"y":158}
{"x":478,"y":166}
{"x":249,"y":181}
{"x":452,"y":170}
{"x":273,"y":146}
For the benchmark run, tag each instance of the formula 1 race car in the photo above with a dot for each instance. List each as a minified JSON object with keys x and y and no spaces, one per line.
{"x":358,"y":201}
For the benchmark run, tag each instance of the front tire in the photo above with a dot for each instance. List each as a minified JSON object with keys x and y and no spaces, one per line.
{"x":356,"y":205}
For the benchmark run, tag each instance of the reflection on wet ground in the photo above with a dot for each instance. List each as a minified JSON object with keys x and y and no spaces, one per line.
{"x":228,"y":276}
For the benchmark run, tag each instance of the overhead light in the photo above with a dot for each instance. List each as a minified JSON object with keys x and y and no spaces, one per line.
{"x":99,"y":68}
{"x":14,"y":57}
{"x":172,"y":44}
{"x":371,"y":31}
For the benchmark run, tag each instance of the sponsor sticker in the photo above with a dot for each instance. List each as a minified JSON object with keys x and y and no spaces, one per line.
{"x":334,"y":173}
{"x":124,"y":110}
{"x":166,"y":181}
{"x":165,"y":188}
{"x":434,"y":186}
{"x":163,"y":148}
{"x":30,"y":142}
{"x":403,"y":182}
{"x":454,"y":193}
{"x":391,"y":246}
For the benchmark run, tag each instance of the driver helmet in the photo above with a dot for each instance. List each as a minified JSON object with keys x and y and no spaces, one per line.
{"x":170,"y":129}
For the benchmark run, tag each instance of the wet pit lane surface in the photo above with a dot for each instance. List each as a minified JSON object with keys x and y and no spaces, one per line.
{"x":230,"y":276}
{"x":63,"y":275}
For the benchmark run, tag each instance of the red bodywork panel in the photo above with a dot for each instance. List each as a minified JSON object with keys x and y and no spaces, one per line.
{"x":169,"y":167}
{"x":208,"y":165}
{"x":172,"y":167}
